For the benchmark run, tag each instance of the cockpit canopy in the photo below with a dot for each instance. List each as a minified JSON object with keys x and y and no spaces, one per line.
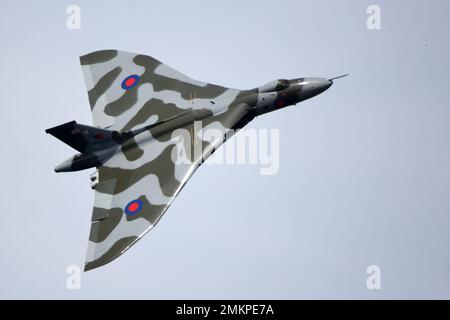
{"x":276,"y":85}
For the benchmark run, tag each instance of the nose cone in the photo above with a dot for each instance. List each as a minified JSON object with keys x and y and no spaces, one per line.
{"x":310,"y":87}
{"x":324,"y":84}
{"x":316,"y":85}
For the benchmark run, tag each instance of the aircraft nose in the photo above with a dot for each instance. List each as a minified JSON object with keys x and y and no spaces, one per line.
{"x":319,"y":84}
{"x":325,"y":84}
{"x":314,"y":86}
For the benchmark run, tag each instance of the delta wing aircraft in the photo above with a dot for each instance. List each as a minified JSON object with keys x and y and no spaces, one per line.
{"x":144,"y":112}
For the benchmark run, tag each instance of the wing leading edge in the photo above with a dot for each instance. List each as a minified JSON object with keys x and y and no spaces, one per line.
{"x":128,"y":91}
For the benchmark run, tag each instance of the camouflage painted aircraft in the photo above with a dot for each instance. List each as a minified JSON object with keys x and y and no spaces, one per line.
{"x":143,"y":110}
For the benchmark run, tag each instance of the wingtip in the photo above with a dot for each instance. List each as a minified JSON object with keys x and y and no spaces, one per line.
{"x":87,"y":267}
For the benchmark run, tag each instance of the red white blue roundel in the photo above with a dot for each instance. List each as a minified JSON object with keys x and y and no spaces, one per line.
{"x":130,"y":82}
{"x":133,"y":207}
{"x":280,"y":103}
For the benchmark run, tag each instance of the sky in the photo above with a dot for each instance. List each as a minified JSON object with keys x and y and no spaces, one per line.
{"x":364,"y":173}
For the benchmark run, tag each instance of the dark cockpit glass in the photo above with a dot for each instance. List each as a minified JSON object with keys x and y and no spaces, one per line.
{"x":275,"y":85}
{"x":282,"y":84}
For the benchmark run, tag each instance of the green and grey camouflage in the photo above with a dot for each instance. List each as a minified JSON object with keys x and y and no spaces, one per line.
{"x":144,"y":113}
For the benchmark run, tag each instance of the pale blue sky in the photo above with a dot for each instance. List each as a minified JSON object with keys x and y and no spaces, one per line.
{"x":364,"y":168}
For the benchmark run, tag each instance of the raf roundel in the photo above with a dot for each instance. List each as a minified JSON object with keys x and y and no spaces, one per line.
{"x":279,"y":103}
{"x":133,"y":207}
{"x":130,"y":82}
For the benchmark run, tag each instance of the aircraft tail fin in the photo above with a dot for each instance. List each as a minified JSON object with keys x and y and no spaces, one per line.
{"x":84,"y":139}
